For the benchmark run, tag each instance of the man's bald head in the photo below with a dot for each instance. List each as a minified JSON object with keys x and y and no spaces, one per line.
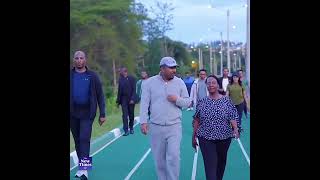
{"x":79,"y":59}
{"x":79,"y":55}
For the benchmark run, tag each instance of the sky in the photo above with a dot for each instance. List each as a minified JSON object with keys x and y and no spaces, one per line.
{"x":194,"y":22}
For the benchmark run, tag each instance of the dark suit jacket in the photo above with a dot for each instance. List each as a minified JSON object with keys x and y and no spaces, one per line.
{"x":129,"y":91}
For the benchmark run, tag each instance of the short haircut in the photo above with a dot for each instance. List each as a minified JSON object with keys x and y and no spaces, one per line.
{"x":213,"y":77}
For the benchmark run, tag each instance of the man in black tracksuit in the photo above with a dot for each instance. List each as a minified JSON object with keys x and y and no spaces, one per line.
{"x":127,"y":98}
{"x":85,"y":93}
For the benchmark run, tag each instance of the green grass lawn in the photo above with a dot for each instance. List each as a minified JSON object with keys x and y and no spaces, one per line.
{"x":114,"y":120}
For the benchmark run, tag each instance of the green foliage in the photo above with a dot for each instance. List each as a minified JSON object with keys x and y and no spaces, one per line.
{"x":106,"y":31}
{"x":112,"y":31}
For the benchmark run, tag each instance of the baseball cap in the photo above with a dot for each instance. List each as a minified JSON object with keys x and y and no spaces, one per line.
{"x":168,"y":61}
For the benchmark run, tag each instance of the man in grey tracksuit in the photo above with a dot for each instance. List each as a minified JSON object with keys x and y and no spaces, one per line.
{"x":165,"y":94}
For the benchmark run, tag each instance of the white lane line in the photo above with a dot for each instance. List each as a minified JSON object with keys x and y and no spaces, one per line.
{"x":73,"y":167}
{"x":117,"y":137}
{"x":137,"y":165}
{"x":243,"y":151}
{"x":195,"y":160}
{"x":100,"y":149}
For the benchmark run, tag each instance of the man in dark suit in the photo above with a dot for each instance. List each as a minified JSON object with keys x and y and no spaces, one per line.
{"x":224,"y":81}
{"x":127,"y":98}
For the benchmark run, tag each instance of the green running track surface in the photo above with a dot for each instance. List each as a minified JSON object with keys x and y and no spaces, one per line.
{"x":117,"y":160}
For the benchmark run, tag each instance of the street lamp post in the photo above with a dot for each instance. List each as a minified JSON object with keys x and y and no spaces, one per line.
{"x":228,"y":42}
{"x":221,"y":56}
{"x":239,"y":60}
{"x":235,"y":62}
{"x":199,"y":57}
{"x":214,"y":62}
{"x":248,"y":38}
{"x":211,"y":59}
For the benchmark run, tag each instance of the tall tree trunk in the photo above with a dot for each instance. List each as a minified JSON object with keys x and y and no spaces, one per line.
{"x":114,"y":76}
{"x":143,"y":62}
{"x":165,"y":46}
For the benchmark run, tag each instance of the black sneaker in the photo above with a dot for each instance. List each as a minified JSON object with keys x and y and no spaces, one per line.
{"x":83,"y":177}
{"x":126,"y":133}
{"x":131,"y":131}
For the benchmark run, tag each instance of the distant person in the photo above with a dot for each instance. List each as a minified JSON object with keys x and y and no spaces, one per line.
{"x":127,"y":98}
{"x":224,"y":81}
{"x":246,"y":88}
{"x":214,"y":124}
{"x":199,"y":88}
{"x":144,"y":76}
{"x":85,"y":94}
{"x":188,"y":80}
{"x":165,"y":94}
{"x":237,"y":93}
{"x":243,"y":79}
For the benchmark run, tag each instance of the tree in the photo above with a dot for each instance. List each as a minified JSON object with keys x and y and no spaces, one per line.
{"x":110,"y":32}
{"x":163,"y":21}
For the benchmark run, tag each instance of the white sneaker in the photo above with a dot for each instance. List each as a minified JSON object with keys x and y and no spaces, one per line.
{"x":85,"y":172}
{"x":78,"y":174}
{"x":81,"y":172}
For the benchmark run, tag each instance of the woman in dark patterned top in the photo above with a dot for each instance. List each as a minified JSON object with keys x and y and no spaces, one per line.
{"x":215,"y":123}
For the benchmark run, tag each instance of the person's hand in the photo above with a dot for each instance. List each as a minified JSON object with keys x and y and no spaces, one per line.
{"x":144,"y":128}
{"x":236,"y":133}
{"x":131,"y":102}
{"x":172,"y":98}
{"x":194,"y":142}
{"x":102,"y":120}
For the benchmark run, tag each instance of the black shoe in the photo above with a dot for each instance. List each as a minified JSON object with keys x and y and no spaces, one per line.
{"x":83,"y":177}
{"x":77,"y":175}
{"x":131,"y":131}
{"x":126,"y":133}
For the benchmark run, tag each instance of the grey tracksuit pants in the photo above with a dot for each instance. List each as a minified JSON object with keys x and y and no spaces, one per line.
{"x":165,"y":147}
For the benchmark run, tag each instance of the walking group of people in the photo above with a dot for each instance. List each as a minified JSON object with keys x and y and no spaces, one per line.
{"x":218,"y":105}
